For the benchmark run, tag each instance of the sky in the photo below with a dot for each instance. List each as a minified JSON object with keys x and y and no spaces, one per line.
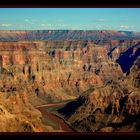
{"x":124,"y":19}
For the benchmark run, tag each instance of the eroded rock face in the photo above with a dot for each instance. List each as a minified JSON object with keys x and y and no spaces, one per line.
{"x":39,"y":72}
{"x":97,"y":35}
{"x":18,"y":115}
{"x":59,"y":70}
{"x":114,"y":107}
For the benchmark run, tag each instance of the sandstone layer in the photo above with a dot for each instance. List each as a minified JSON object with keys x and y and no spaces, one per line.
{"x":114,"y":107}
{"x":34,"y":71}
{"x":39,"y":35}
{"x":56,"y":70}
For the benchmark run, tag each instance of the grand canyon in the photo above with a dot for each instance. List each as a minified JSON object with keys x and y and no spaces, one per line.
{"x":69,"y":81}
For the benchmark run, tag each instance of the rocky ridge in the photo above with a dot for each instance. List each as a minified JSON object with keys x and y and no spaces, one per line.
{"x":35,"y":72}
{"x":115,"y":107}
{"x":39,"y":35}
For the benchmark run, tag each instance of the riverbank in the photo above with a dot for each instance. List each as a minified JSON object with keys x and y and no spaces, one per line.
{"x":50,"y":116}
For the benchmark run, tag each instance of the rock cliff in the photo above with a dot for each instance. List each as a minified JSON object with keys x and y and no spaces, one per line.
{"x":40,"y":67}
{"x":114,"y":107}
{"x":56,"y":70}
{"x":39,"y":35}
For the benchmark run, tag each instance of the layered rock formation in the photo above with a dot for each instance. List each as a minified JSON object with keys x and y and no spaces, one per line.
{"x":34,"y":71}
{"x":18,"y":115}
{"x":39,"y":35}
{"x":56,"y":70}
{"x":115,"y":107}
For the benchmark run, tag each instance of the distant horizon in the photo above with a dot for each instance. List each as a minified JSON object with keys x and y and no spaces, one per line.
{"x":68,"y":30}
{"x":126,"y":19}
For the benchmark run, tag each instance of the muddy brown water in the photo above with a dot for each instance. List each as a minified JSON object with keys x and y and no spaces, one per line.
{"x":54,"y":118}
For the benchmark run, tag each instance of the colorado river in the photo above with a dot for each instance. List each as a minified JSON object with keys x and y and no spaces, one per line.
{"x":54,"y":118}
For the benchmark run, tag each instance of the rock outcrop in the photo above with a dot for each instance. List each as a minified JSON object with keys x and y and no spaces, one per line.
{"x":56,"y":70}
{"x":18,"y":115}
{"x":40,"y":67}
{"x":114,"y":107}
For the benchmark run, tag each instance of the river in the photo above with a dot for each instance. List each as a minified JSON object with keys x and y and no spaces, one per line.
{"x":54,"y":118}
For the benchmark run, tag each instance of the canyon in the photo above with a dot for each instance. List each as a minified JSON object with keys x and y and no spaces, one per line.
{"x":97,"y":70}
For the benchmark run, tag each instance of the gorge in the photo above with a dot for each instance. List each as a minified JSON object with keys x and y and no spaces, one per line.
{"x":98,"y":71}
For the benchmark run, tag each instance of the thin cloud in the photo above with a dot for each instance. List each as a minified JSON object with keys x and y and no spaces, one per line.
{"x":53,"y":25}
{"x":126,"y":26}
{"x":27,"y":20}
{"x":109,"y":20}
{"x":44,"y":25}
{"x":5,"y":25}
{"x":60,"y":25}
{"x":30,"y":21}
{"x":100,"y":20}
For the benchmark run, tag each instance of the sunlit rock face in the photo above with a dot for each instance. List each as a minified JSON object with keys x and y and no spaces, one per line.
{"x":38,"y":35}
{"x":17,"y":114}
{"x":40,"y":67}
{"x":57,"y":70}
{"x":114,"y":107}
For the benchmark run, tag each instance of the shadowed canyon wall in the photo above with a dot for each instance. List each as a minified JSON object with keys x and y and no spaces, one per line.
{"x":38,"y":72}
{"x":114,"y":107}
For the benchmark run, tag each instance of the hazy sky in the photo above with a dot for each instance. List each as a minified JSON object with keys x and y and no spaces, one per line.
{"x":70,"y":18}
